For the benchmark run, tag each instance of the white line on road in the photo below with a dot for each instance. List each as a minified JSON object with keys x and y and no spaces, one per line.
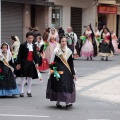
{"x":98,"y":119}
{"x":32,"y":116}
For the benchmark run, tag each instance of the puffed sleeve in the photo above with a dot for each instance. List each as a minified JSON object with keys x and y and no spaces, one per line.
{"x":75,"y":39}
{"x":57,"y":38}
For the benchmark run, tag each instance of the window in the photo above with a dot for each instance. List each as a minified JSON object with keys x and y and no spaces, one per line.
{"x":56,"y":16}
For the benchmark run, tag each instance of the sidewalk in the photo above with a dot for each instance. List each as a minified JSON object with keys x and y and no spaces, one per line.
{"x":103,"y":85}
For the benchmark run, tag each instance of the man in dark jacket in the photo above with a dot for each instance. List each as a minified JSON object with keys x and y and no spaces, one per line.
{"x":61,"y":32}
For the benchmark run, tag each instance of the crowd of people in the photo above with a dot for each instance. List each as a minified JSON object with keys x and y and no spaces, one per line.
{"x":102,"y":43}
{"x":53,"y":50}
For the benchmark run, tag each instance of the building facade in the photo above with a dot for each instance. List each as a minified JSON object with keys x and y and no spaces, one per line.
{"x":17,"y":16}
{"x":109,"y":15}
{"x":75,"y":13}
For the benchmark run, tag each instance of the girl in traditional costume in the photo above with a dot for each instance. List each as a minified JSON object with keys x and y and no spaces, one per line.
{"x":8,"y":85}
{"x":53,"y":40}
{"x":40,"y":48}
{"x":114,"y":41}
{"x":106,"y":47}
{"x":89,"y":47}
{"x":40,"y":44}
{"x":61,"y":87}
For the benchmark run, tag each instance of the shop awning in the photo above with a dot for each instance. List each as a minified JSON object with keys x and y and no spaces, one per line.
{"x":32,"y":2}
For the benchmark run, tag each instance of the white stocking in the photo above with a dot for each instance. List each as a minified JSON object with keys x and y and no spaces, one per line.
{"x":22,"y":82}
{"x":29,"y":84}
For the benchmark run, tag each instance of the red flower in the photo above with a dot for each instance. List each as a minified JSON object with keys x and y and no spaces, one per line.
{"x":0,"y":70}
{"x":53,"y":63}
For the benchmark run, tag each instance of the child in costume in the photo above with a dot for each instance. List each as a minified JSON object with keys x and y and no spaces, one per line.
{"x":8,"y":85}
{"x":39,"y":47}
{"x":41,"y":51}
{"x":27,"y":63}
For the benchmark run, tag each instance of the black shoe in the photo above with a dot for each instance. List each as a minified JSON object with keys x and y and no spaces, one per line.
{"x":26,"y":84}
{"x":29,"y":94}
{"x":58,"y":106}
{"x":87,"y":58}
{"x":102,"y":59}
{"x":91,"y":58}
{"x":106,"y":59}
{"x":69,"y":106}
{"x":21,"y":94}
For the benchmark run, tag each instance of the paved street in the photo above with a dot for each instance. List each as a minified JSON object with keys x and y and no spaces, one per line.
{"x":98,"y":95}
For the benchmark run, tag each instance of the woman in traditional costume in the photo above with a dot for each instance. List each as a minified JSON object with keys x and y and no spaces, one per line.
{"x":114,"y":41}
{"x":97,"y":37}
{"x":89,"y":47}
{"x":61,"y":87}
{"x":53,"y":40}
{"x":15,"y":46}
{"x":8,"y":85}
{"x":106,"y":48}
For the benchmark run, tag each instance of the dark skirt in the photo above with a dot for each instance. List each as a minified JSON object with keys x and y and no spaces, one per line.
{"x":60,"y":96}
{"x":7,"y":81}
{"x":27,"y":70}
{"x":104,"y":48}
{"x":62,"y":90}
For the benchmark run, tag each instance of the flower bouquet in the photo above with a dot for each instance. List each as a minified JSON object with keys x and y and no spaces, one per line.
{"x":14,"y":55}
{"x":46,"y":44}
{"x":53,"y":67}
{"x":83,"y":38}
{"x":99,"y":39}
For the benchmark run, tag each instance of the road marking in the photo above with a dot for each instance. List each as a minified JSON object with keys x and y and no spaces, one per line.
{"x":98,"y":119}
{"x":32,"y":116}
